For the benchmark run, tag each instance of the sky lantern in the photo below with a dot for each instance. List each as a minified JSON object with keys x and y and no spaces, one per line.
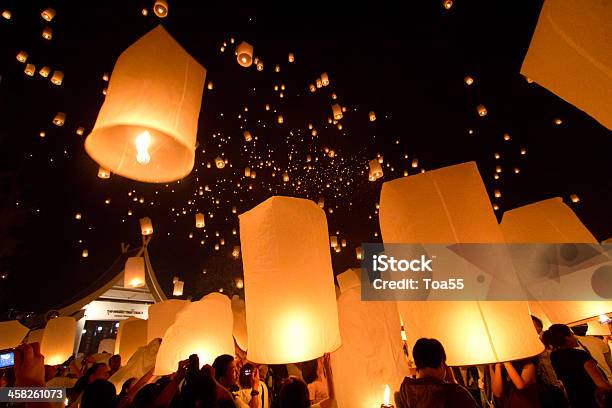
{"x":47,"y":33}
{"x":103,"y":173}
{"x":247,"y":136}
{"x":199,"y":220}
{"x":192,"y":334}
{"x":359,"y":253}
{"x":146,"y":128}
{"x":468,"y":80}
{"x":162,"y":315}
{"x":59,"y":119}
{"x":304,"y":325}
{"x":6,"y":14}
{"x":178,"y":288}
{"x":219,"y":162}
{"x":372,"y":116}
{"x":574,"y":198}
{"x":552,"y":221}
{"x":146,"y":226}
{"x":131,"y":335}
{"x":30,"y":69}
{"x":85,"y":253}
{"x":324,"y":79}
{"x":44,"y":71}
{"x":239,"y":330}
{"x":57,"y":78}
{"x":22,"y":56}
{"x":160,"y":8}
{"x":448,"y":4}
{"x":291,"y":57}
{"x":11,"y":334}
{"x":371,"y":354}
{"x":453,"y":207}
{"x":244,"y":54}
{"x":376,"y":170}
{"x":337,"y":111}
{"x":57,"y":342}
{"x":482,"y":111}
{"x":48,"y":14}
{"x":134,"y":272}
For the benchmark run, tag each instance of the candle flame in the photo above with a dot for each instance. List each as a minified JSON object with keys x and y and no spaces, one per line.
{"x":387,"y":395}
{"x":143,"y":142}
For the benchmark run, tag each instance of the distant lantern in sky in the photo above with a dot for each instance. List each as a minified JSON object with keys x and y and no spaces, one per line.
{"x":285,"y":177}
{"x":447,"y":4}
{"x":47,"y":33}
{"x":57,"y":342}
{"x":7,"y":14}
{"x":324,"y":79}
{"x":312,"y":87}
{"x":497,"y":193}
{"x":415,"y":163}
{"x":57,"y":78}
{"x":210,"y":86}
{"x":557,"y":121}
{"x":574,"y":198}
{"x":244,"y":54}
{"x":277,"y":68}
{"x":359,"y":253}
{"x":280,"y":119}
{"x":160,"y":8}
{"x":29,"y":69}
{"x":376,"y":170}
{"x":372,"y":116}
{"x":85,"y":253}
{"x":59,"y":119}
{"x":178,"y":288}
{"x":146,"y":128}
{"x":468,"y":80}
{"x":219,"y":162}
{"x":333,"y":241}
{"x":236,"y":251}
{"x":146,"y":226}
{"x":337,"y":111}
{"x":247,"y":172}
{"x":44,"y":71}
{"x":291,"y":57}
{"x":304,"y":326}
{"x":506,"y":136}
{"x":134,"y":272}
{"x":48,"y":14}
{"x":482,"y":111}
{"x":78,"y":216}
{"x":80,"y":130}
{"x":22,"y":56}
{"x":199,"y":220}
{"x":103,"y":173}
{"x":247,"y":136}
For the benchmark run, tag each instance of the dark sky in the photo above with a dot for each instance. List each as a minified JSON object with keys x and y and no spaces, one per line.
{"x":405,"y":63}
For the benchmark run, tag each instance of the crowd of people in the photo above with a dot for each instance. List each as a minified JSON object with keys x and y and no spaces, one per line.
{"x":574,"y":371}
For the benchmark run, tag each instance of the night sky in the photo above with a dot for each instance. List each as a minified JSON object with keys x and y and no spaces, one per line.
{"x":405,"y":64}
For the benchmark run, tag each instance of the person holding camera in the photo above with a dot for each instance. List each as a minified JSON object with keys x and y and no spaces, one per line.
{"x":228,"y":376}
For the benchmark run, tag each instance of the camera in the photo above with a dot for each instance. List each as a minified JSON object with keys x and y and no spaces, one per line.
{"x":7,"y":358}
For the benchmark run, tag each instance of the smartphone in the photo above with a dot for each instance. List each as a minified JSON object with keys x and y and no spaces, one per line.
{"x":246,"y":375}
{"x":7,"y":358}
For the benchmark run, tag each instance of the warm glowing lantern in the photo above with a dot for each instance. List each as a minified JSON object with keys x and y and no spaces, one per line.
{"x":80,"y":130}
{"x":240,"y":327}
{"x":199,"y":220}
{"x":22,"y":56}
{"x":57,"y":78}
{"x":178,"y":288}
{"x":44,"y":71}
{"x":285,"y":177}
{"x":280,"y":119}
{"x":58,"y":340}
{"x":48,"y":14}
{"x":371,"y":353}
{"x":291,"y":57}
{"x":11,"y":334}
{"x":372,"y":116}
{"x":376,"y":170}
{"x":6,"y":14}
{"x":304,"y":326}
{"x":447,"y":4}
{"x":468,"y":80}
{"x":103,"y":173}
{"x":337,"y":111}
{"x":59,"y":119}
{"x":359,"y":253}
{"x":219,"y":162}
{"x":30,"y":69}
{"x":324,"y":79}
{"x":453,"y":207}
{"x":247,"y":172}
{"x":497,"y":193}
{"x":333,"y":241}
{"x":160,"y":8}
{"x":146,"y":128}
{"x":134,"y":273}
{"x":244,"y":54}
{"x":131,"y":335}
{"x":146,"y":226}
{"x":85,"y":253}
{"x":482,"y":111}
{"x":574,"y":198}
{"x":260,"y":65}
{"x":161,"y":316}
{"x":192,"y":334}
{"x":247,"y":136}
{"x":47,"y":33}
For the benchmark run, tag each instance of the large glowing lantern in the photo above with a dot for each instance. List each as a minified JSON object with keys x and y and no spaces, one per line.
{"x":371,"y":353}
{"x":141,"y":362}
{"x":289,"y":282}
{"x":240,"y":324}
{"x":244,"y":54}
{"x":162,"y":315}
{"x":551,"y":221}
{"x":451,"y":205}
{"x":11,"y":334}
{"x":192,"y":334}
{"x":131,"y":335}
{"x":58,"y":340}
{"x":106,"y":346}
{"x":146,"y":226}
{"x":134,"y":272}
{"x":178,"y":287}
{"x":570,"y":55}
{"x":199,"y":220}
{"x":146,"y":128}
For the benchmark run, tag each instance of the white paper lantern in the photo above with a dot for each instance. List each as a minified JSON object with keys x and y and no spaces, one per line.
{"x":134,"y":272}
{"x":131,"y":335}
{"x":58,"y":340}
{"x":244,"y":54}
{"x":162,"y":315}
{"x":240,"y":324}
{"x":11,"y":334}
{"x":146,"y":226}
{"x":178,"y":288}
{"x":192,"y":334}
{"x":106,"y":346}
{"x":289,"y":282}
{"x":146,"y":128}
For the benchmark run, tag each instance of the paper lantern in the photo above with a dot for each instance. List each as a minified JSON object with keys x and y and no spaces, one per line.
{"x":351,"y":278}
{"x":468,"y":80}
{"x":574,"y":198}
{"x":219,"y":162}
{"x":192,"y":334}
{"x":376,"y":170}
{"x":160,"y":8}
{"x":291,"y":57}
{"x":570,"y":55}
{"x":47,"y":33}
{"x":11,"y":334}
{"x":22,"y":56}
{"x":106,"y":346}
{"x":337,"y":111}
{"x":59,"y":119}
{"x":199,"y":220}
{"x":324,"y":79}
{"x":359,"y":253}
{"x":57,"y":78}
{"x":447,"y":4}
{"x":134,"y":272}
{"x":178,"y":288}
{"x":453,"y":207}
{"x":333,"y":241}
{"x":302,"y":314}
{"x":244,"y":54}
{"x":280,"y":119}
{"x":7,"y":14}
{"x":131,"y":335}
{"x":146,"y":128}
{"x":372,"y":116}
{"x":371,"y":353}
{"x":103,"y":173}
{"x":141,"y":362}
{"x":598,"y":329}
{"x":162,"y":315}
{"x":30,"y":69}
{"x":85,"y":253}
{"x":318,"y":83}
{"x":497,"y":193}
{"x":551,"y":221}
{"x":247,"y":136}
{"x":48,"y":14}
{"x":146,"y":226}
{"x":482,"y":111}
{"x":236,"y":251}
{"x":44,"y":71}
{"x":34,"y":336}
{"x":58,"y":340}
{"x":239,"y":330}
